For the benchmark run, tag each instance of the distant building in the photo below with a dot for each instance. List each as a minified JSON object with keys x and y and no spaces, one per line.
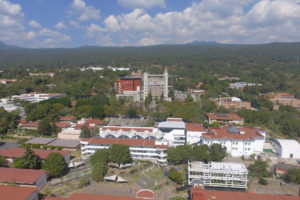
{"x":51,"y":74}
{"x":227,"y":78}
{"x":156,"y":84}
{"x":8,"y":105}
{"x":29,"y":177}
{"x":287,"y":148}
{"x":6,"y":81}
{"x":140,"y":149}
{"x":129,"y":87}
{"x":282,"y":168}
{"x":225,"y":118}
{"x":233,"y":103}
{"x":9,"y":192}
{"x":239,"y":141}
{"x":38,"y":97}
{"x":218,"y":174}
{"x":283,"y":98}
{"x":66,"y":144}
{"x":242,"y":85}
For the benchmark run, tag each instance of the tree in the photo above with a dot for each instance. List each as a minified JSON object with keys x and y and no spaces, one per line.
{"x":179,"y":154}
{"x":30,"y":160}
{"x":177,"y":198}
{"x":98,"y":170}
{"x":188,"y":99}
{"x":200,"y":153}
{"x":217,"y":152}
{"x":148,"y":99}
{"x":175,"y":176}
{"x":55,"y":164}
{"x":2,"y":160}
{"x":18,"y":163}
{"x":54,"y":129}
{"x":262,"y":181}
{"x":293,"y":175}
{"x":100,"y":155}
{"x":85,"y":132}
{"x":120,"y":154}
{"x":97,"y":112}
{"x":171,"y":94}
{"x":131,"y":113}
{"x":259,"y":169}
{"x":44,"y":127}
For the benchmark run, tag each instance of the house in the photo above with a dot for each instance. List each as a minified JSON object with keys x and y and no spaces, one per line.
{"x":283,"y":98}
{"x":140,"y":149}
{"x":194,"y":133}
{"x":12,"y":153}
{"x":29,"y":177}
{"x":287,"y":148}
{"x":9,"y":192}
{"x":28,"y":125}
{"x":225,"y":118}
{"x":282,"y":168}
{"x":198,"y":193}
{"x":233,"y":103}
{"x":218,"y":174}
{"x":69,"y":119}
{"x":239,"y":141}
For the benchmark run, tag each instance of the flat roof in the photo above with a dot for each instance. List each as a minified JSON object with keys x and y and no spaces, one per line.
{"x":21,"y":176}
{"x":67,"y":143}
{"x":40,"y":140}
{"x":172,"y":124}
{"x":16,"y":192}
{"x":229,"y":167}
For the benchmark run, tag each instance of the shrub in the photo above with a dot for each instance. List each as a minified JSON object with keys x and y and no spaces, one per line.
{"x":84,"y":181}
{"x":58,"y":148}
{"x":55,"y":164}
{"x":36,"y":146}
{"x":263,"y":181}
{"x":51,"y":147}
{"x":132,"y":171}
{"x":25,"y":146}
{"x":175,"y":176}
{"x":44,"y":147}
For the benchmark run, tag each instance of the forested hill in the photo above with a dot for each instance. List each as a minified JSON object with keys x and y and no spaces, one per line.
{"x":188,"y":55}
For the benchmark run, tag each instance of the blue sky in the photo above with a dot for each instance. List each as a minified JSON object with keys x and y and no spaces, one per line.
{"x":72,"y":23}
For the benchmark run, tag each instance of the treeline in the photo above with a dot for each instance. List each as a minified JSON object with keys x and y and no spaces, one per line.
{"x":184,"y":153}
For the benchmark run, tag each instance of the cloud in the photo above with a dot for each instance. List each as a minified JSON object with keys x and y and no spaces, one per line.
{"x":34,"y":24}
{"x":60,"y":25}
{"x":142,"y":3}
{"x":82,"y":11}
{"x":225,"y":21}
{"x":97,"y":33}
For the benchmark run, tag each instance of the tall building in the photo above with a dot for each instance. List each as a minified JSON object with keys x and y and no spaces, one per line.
{"x":157,"y":84}
{"x":129,"y":87}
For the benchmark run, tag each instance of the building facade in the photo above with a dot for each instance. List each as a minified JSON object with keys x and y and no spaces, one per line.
{"x":140,"y":149}
{"x":239,"y":141}
{"x":225,"y":118}
{"x":156,"y":84}
{"x":218,"y":174}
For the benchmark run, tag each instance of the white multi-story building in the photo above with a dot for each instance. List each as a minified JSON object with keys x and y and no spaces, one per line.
{"x":174,"y":131}
{"x":218,"y":174}
{"x":37,"y":97}
{"x":194,"y":133}
{"x":287,"y":148}
{"x":140,"y":149}
{"x":156,"y":84}
{"x":239,"y":141}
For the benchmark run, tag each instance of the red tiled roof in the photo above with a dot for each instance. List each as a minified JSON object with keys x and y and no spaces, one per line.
{"x":66,"y":118}
{"x":28,"y":124}
{"x":223,"y":116}
{"x":161,"y":146}
{"x":200,"y":194}
{"x":249,"y":133}
{"x":19,"y":152}
{"x":21,"y":176}
{"x":94,"y":121}
{"x":194,"y":127}
{"x":62,"y":124}
{"x":16,"y":192}
{"x":128,"y":142}
{"x":126,"y":129}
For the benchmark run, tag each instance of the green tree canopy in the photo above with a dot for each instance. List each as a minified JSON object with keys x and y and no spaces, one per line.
{"x":44,"y":127}
{"x":30,"y":160}
{"x":85,"y":132}
{"x":217,"y":152}
{"x":2,"y":160}
{"x":120,"y":154}
{"x":55,"y":164}
{"x":99,"y":169}
{"x":100,"y":155}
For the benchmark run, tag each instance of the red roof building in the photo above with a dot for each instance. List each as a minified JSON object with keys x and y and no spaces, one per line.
{"x":43,"y":154}
{"x":8,"y":192}
{"x":225,"y":118}
{"x":128,"y":84}
{"x":197,"y":193}
{"x":24,"y":176}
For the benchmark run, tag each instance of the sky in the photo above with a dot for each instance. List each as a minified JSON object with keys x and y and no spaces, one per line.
{"x":73,"y":23}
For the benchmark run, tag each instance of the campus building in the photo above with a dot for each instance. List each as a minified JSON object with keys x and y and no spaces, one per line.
{"x":225,"y":118}
{"x":239,"y":141}
{"x":233,"y":103}
{"x":129,"y":87}
{"x":218,"y":174}
{"x":287,"y":148}
{"x":156,"y":84}
{"x":140,"y":149}
{"x":9,"y":192}
{"x":174,"y":131}
{"x":283,"y":98}
{"x":37,"y":97}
